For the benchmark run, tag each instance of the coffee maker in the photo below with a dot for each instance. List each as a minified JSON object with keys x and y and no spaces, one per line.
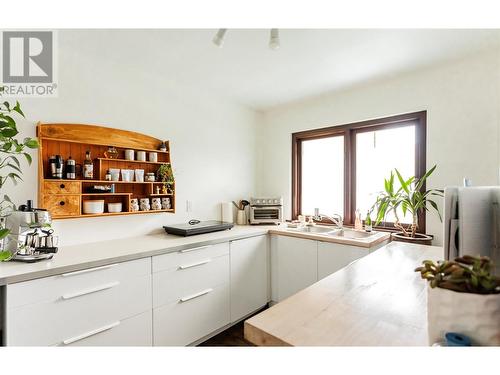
{"x":56,"y":164}
{"x":30,"y":237}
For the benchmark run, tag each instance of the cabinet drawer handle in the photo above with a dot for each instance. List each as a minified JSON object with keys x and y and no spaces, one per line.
{"x":89,"y":291}
{"x":192,"y":296}
{"x":195,"y":248}
{"x":91,"y":333}
{"x":88,"y":270}
{"x":62,"y":203}
{"x":195,"y":264}
{"x":62,"y":186}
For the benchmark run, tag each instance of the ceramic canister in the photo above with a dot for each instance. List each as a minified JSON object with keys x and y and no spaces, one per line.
{"x":145,"y":204}
{"x":165,"y":203}
{"x":156,"y":204}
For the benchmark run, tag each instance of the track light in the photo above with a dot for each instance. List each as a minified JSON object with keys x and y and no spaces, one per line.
{"x":274,"y":40}
{"x":219,"y":37}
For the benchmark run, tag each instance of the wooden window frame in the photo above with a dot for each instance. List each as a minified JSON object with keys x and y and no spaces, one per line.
{"x":349,"y":131}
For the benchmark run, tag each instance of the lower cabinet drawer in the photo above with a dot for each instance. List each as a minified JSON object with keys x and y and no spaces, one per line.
{"x":192,"y":317}
{"x":54,"y":287}
{"x":62,"y":205}
{"x":189,"y":278}
{"x":135,"y":331}
{"x":52,"y":321}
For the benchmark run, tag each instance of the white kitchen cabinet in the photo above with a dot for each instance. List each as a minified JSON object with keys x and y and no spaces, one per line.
{"x":294,"y":265}
{"x":334,"y":256}
{"x":135,"y":331}
{"x":250,"y":281}
{"x":75,"y":306}
{"x":190,"y":294}
{"x":191,"y":318}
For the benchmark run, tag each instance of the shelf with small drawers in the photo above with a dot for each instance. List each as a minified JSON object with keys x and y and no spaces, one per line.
{"x":64,"y":198}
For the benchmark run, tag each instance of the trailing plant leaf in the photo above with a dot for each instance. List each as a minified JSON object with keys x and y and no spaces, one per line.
{"x":5,"y":255}
{"x":28,"y":158}
{"x":17,"y":108}
{"x":10,"y":149}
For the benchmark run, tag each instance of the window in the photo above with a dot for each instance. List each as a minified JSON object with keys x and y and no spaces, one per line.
{"x":323,"y":175}
{"x":342,"y":168}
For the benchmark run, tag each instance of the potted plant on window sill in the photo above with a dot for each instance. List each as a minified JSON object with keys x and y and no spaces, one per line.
{"x":463,"y":296}
{"x":409,"y":197}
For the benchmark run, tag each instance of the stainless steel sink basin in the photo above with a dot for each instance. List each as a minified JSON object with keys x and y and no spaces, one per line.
{"x":314,"y":229}
{"x":333,"y":232}
{"x":354,"y":234}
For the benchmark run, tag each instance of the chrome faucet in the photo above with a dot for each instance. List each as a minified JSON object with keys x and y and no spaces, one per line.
{"x":335,"y":218}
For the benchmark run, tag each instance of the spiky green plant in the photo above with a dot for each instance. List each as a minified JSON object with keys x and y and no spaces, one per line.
{"x":466,"y":274}
{"x":409,"y":197}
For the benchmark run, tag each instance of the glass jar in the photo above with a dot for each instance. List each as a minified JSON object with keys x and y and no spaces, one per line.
{"x":150,"y":177}
{"x":111,"y":153}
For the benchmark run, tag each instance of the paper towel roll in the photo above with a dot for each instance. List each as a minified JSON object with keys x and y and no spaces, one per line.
{"x":227,"y":212}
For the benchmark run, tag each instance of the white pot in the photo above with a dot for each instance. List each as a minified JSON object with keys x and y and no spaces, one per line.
{"x":93,"y":206}
{"x":474,"y":315}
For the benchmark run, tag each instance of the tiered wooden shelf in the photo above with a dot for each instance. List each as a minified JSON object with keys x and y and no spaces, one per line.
{"x":64,"y":198}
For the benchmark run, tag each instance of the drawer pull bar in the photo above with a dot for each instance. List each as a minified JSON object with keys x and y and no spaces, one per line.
{"x":88,"y":270}
{"x":195,"y":264}
{"x":91,"y":333}
{"x":195,"y":248}
{"x":89,"y":291}
{"x":202,"y":293}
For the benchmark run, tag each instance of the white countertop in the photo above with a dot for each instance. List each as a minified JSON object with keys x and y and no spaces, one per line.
{"x":73,"y":258}
{"x":96,"y":254}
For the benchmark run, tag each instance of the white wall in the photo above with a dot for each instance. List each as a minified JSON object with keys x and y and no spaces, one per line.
{"x":212,"y":141}
{"x":462,"y":103}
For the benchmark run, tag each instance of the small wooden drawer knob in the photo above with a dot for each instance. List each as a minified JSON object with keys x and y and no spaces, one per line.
{"x":62,"y":203}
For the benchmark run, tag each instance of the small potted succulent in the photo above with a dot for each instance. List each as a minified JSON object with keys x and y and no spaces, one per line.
{"x":408,"y":198}
{"x":166,"y":175}
{"x":463,"y":296}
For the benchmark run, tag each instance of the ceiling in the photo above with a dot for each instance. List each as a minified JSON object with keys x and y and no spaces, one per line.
{"x":309,"y":63}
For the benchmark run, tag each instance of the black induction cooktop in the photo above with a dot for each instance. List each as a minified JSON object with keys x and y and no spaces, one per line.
{"x":197,"y":227}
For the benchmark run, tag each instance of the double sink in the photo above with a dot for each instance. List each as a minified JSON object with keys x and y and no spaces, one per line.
{"x":334,"y":232}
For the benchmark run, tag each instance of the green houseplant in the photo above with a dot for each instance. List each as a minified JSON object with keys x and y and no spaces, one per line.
{"x":408,"y":197}
{"x":166,"y":175}
{"x":11,"y":148}
{"x":463,"y":296}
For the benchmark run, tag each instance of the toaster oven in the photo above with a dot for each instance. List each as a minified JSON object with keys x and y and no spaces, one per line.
{"x":266,"y":210}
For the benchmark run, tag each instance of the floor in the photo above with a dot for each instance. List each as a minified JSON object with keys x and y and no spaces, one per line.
{"x":233,"y":336}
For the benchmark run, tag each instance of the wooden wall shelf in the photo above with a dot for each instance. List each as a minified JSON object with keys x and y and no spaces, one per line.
{"x":64,"y":198}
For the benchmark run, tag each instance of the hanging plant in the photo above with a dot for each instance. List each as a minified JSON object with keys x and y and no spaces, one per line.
{"x":11,"y":148}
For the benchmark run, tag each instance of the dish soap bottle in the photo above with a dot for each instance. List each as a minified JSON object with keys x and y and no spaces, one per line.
{"x":368,"y":222}
{"x":357,"y":221}
{"x":88,"y":167}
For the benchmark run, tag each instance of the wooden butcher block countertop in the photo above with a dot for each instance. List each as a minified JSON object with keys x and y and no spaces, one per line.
{"x":376,"y":301}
